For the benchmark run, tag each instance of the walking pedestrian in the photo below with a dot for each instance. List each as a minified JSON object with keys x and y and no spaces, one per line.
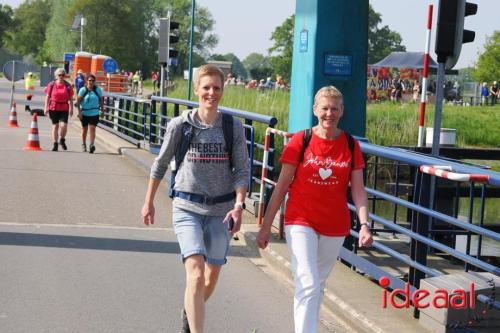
{"x":494,"y":91}
{"x":29,"y":85}
{"x":59,"y":107}
{"x":79,"y":80}
{"x":90,"y":104}
{"x":317,"y":217}
{"x":484,"y":94}
{"x":208,"y":191}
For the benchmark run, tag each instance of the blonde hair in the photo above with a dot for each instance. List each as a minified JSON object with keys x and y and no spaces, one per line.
{"x":207,"y":70}
{"x":328,"y":91}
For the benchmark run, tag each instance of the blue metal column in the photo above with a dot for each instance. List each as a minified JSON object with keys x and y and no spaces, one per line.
{"x":330,"y":47}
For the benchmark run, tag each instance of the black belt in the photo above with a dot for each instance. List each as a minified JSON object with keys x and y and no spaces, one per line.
{"x":198,"y":198}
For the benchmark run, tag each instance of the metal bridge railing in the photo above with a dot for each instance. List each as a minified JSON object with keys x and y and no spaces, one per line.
{"x":435,"y":201}
{"x":143,"y":122}
{"x":428,"y":213}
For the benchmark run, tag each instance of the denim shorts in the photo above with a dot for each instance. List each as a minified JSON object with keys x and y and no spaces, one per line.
{"x":200,"y":234}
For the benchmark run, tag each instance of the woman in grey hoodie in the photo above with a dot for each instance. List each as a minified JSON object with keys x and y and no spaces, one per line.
{"x":209,"y":191}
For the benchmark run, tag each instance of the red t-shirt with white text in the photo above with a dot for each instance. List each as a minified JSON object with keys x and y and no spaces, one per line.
{"x":317,"y":196}
{"x":59,"y":97}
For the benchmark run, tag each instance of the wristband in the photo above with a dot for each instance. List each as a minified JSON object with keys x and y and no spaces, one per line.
{"x":240,"y":205}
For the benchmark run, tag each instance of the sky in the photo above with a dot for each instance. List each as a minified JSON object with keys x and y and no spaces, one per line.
{"x":245,"y":26}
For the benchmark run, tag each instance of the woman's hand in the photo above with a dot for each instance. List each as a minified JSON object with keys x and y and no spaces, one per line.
{"x":236,"y":215}
{"x":365,"y":236}
{"x":148,"y":213}
{"x":263,"y":237}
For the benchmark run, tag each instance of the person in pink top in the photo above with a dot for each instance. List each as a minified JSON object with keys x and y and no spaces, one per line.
{"x":317,"y":218}
{"x":59,"y":105}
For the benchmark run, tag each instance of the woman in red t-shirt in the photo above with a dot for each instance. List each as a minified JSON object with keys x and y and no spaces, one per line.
{"x":59,"y":105}
{"x":317,"y":217}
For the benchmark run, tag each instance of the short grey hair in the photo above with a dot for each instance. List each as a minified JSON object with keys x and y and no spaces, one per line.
{"x":59,"y":70}
{"x":328,"y":91}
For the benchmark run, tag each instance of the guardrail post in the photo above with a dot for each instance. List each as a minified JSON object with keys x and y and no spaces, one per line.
{"x":125,"y":115}
{"x":134,"y":118}
{"x":249,"y":138}
{"x":420,"y":225}
{"x":118,"y":115}
{"x":145,"y":111}
{"x":152,"y":123}
{"x":163,"y":120}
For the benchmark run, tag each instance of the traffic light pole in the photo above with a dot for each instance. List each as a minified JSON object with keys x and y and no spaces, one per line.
{"x":162,"y":78}
{"x":191,"y":42}
{"x":438,"y":110}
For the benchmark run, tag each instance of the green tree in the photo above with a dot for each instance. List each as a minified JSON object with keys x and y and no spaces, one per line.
{"x":26,"y":34}
{"x":237,"y":66}
{"x":119,"y":29}
{"x":487,"y":68}
{"x":127,"y":30}
{"x":58,"y":37}
{"x":381,"y":41}
{"x":282,"y":50}
{"x":258,"y":65}
{"x":6,"y":14}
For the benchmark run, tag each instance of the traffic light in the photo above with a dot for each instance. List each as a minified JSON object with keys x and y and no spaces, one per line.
{"x":166,"y":54}
{"x":450,"y":33}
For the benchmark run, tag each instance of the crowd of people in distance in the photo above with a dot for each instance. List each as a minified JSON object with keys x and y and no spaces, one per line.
{"x":262,"y":84}
{"x":398,"y":88}
{"x":489,"y":96}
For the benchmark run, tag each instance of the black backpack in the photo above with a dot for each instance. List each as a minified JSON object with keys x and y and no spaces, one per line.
{"x":187,"y":136}
{"x":94,"y":89}
{"x":307,"y":139}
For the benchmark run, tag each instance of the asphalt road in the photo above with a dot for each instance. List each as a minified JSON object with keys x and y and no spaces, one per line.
{"x":74,"y":256}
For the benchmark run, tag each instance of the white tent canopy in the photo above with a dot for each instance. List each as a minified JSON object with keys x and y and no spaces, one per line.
{"x":413,"y":60}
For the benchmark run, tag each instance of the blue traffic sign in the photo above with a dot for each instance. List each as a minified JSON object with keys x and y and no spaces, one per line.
{"x":69,"y":56}
{"x":110,"y":65}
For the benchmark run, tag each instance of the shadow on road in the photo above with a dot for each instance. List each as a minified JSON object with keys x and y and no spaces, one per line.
{"x":87,"y":243}
{"x":96,"y":243}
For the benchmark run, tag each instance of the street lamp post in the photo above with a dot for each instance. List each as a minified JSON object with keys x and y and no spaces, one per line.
{"x":82,"y":23}
{"x":191,"y":42}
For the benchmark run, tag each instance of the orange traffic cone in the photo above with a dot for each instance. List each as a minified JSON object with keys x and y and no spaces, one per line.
{"x":13,"y":116}
{"x":33,"y":140}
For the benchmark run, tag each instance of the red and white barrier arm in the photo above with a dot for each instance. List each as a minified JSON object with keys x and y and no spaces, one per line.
{"x":424,"y":79}
{"x":445,"y":172}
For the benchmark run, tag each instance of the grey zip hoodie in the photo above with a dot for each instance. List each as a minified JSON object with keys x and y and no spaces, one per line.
{"x":205,"y":169}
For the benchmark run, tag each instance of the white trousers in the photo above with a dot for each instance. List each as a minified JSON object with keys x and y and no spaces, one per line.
{"x":313,"y":257}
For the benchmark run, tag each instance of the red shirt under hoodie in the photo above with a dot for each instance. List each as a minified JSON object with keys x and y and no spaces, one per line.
{"x":317,"y":196}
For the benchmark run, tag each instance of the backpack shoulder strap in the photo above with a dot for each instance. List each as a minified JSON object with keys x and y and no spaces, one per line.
{"x":305,"y":143}
{"x":51,"y":88}
{"x":350,"y":143}
{"x":227,"y":130}
{"x":96,"y":92}
{"x":68,"y":87}
{"x":186,"y":137}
